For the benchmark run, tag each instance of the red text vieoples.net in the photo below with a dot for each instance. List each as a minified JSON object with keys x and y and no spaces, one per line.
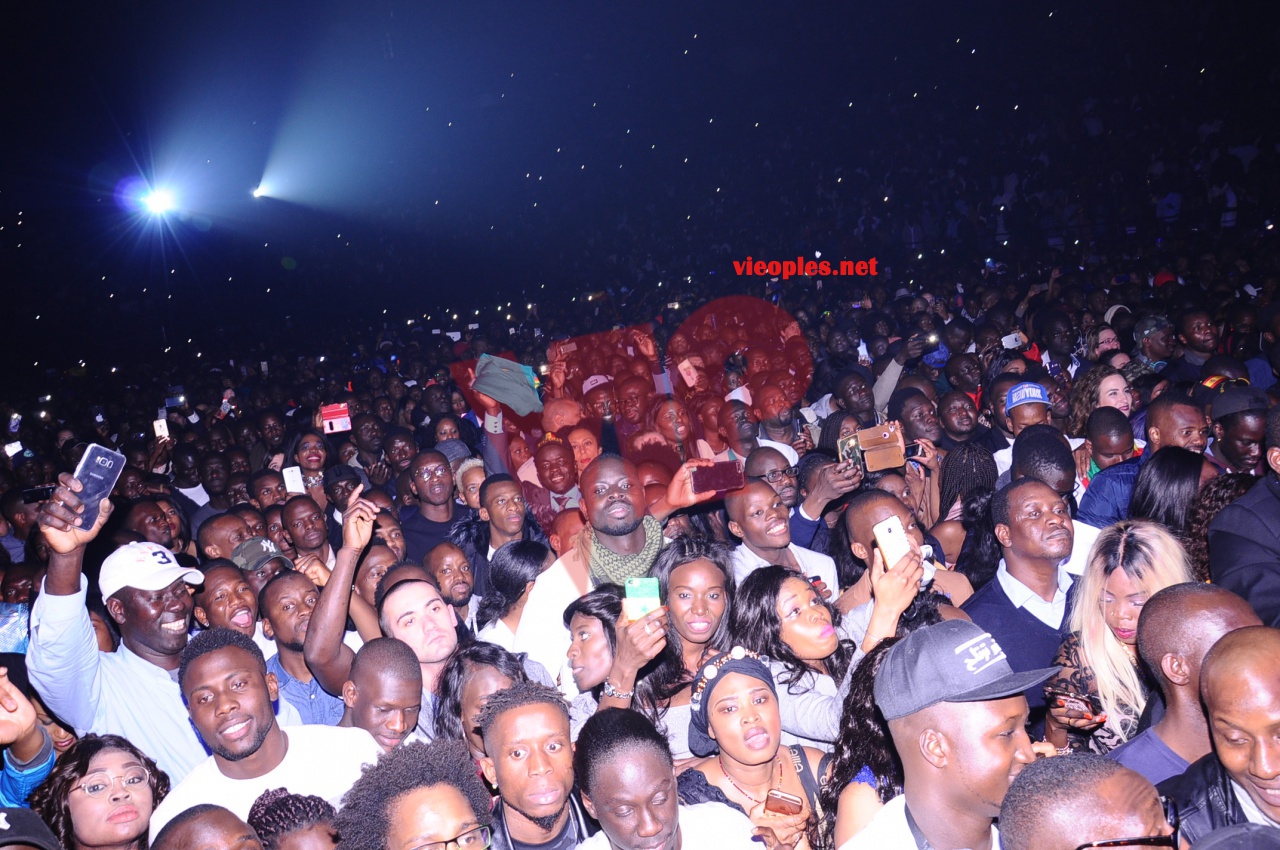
{"x":800,"y":266}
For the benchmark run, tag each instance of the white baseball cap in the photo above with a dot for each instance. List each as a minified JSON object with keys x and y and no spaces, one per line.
{"x":145,"y":566}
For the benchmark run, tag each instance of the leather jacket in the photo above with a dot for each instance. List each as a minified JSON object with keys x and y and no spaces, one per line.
{"x":1204,"y":798}
{"x":501,"y":840}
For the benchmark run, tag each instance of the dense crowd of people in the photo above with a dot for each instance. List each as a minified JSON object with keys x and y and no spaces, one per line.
{"x":964,"y":562}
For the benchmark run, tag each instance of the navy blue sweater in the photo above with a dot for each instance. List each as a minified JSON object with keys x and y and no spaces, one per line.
{"x":1028,"y":643}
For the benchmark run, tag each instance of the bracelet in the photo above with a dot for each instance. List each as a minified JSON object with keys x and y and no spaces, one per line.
{"x":1059,"y":751}
{"x":613,"y":693}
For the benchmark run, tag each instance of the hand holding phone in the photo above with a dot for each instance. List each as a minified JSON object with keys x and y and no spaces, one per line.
{"x":641,"y":598}
{"x":98,"y":472}
{"x":781,"y":803}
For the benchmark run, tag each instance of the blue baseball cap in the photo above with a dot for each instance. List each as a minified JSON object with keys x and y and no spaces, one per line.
{"x":1025,"y":393}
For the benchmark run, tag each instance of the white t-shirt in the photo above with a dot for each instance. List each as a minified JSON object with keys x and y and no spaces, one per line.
{"x":321,"y":760}
{"x":705,"y":825}
{"x":888,"y":830}
{"x":498,"y":633}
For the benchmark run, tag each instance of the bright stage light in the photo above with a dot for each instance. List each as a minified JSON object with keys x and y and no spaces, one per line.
{"x":158,"y":201}
{"x":260,"y":191}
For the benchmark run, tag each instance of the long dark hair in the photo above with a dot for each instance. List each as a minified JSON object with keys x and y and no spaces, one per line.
{"x":330,"y":456}
{"x":864,"y":739}
{"x":603,"y":604}
{"x":668,"y":675}
{"x":980,"y":555}
{"x":512,"y":567}
{"x":756,"y":625}
{"x":1167,"y":487}
{"x":466,"y":658}
{"x":1215,"y":496}
{"x":49,"y":800}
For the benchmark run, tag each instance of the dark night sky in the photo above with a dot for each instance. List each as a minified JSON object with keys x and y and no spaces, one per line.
{"x":375,"y":111}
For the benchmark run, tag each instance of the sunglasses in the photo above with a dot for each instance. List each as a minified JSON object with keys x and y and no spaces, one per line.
{"x":1171,"y":840}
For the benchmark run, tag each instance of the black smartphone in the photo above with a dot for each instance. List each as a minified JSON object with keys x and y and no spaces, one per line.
{"x":36,"y":495}
{"x":719,"y":477}
{"x":98,"y":472}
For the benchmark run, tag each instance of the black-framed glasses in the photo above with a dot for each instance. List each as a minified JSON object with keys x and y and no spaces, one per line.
{"x":472,"y":839}
{"x":1170,"y":840}
{"x":773,"y":476}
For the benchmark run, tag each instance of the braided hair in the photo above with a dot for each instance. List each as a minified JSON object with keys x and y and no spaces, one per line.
{"x":277,"y":813}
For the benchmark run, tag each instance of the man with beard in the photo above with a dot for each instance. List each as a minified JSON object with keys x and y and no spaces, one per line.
{"x":429,"y":523}
{"x":449,"y":569}
{"x":529,"y":759}
{"x":778,"y":423}
{"x":1025,"y":606}
{"x":959,"y":417}
{"x":623,"y":543}
{"x":503,"y":518}
{"x":229,"y":692}
{"x":917,"y":414}
{"x":557,"y":487}
{"x":287,"y":603}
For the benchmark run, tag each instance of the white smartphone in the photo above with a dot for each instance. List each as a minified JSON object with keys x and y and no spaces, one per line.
{"x":293,"y":479}
{"x":891,"y":538}
{"x":1011,"y":341}
{"x":161,"y":427}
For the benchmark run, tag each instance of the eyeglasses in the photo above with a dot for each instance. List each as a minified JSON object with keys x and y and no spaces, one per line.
{"x":100,"y":783}
{"x":773,"y":476}
{"x":428,"y":473}
{"x":474,"y":839}
{"x":1170,"y":840}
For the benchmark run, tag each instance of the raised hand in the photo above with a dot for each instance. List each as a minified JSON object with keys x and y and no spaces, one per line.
{"x":60,"y":520}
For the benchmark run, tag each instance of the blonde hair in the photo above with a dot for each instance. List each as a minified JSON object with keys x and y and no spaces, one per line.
{"x":1153,"y":560}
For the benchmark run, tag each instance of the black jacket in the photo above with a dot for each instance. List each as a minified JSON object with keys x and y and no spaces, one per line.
{"x":471,"y":535}
{"x":1204,"y":798}
{"x":587,"y":825}
{"x":1244,"y":548}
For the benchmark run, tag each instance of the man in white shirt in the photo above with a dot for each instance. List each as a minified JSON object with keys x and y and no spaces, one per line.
{"x":758,"y":516}
{"x":958,"y":719}
{"x":131,"y":692}
{"x":229,"y":693}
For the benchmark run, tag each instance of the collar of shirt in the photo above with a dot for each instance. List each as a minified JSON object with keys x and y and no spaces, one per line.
{"x":1049,"y":613}
{"x":143,"y":666}
{"x":573,"y":497}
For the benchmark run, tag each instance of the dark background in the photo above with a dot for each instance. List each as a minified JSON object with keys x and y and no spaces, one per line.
{"x":392,"y":209}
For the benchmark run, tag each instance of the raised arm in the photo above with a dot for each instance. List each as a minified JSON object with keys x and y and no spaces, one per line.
{"x":328,"y":658}
{"x":62,"y":656}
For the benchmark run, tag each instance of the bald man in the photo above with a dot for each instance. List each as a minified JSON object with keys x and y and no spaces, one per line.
{"x":383,"y":694}
{"x":1178,"y":626}
{"x":1062,"y":803}
{"x":1239,"y":781}
{"x":758,"y":516}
